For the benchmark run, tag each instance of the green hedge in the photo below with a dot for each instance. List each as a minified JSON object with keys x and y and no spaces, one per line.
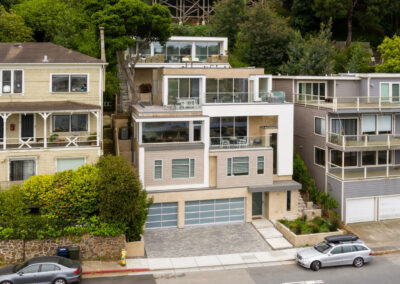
{"x":301,"y":226}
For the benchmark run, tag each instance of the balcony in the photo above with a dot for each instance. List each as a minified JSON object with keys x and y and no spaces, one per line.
{"x":54,"y":141}
{"x":367,"y":172}
{"x":240,"y":142}
{"x":364,"y":141}
{"x":355,"y":103}
{"x":245,"y":97}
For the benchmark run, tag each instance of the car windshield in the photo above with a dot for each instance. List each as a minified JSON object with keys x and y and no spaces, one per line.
{"x":322,"y":247}
{"x":66,"y":262}
{"x":18,"y":267}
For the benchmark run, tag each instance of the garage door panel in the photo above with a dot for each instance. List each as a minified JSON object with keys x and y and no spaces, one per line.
{"x":360,"y":210}
{"x":389,"y":207}
{"x":162,"y":215}
{"x":214,"y":211}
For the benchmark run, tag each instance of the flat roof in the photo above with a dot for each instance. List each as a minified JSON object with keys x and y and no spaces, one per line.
{"x":276,"y":186}
{"x":46,"y":106}
{"x":321,"y":78}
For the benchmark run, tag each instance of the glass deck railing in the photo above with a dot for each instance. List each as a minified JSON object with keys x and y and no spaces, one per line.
{"x":386,"y":140}
{"x":366,"y":172}
{"x":237,"y":142}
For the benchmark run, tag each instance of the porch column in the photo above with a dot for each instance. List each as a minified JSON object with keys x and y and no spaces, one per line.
{"x":45,"y":115}
{"x":4,"y":116}
{"x":342,"y":165}
{"x":98,"y":116}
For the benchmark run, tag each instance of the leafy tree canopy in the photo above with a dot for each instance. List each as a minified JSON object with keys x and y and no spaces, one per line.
{"x":12,"y":27}
{"x":390,"y":52}
{"x":354,"y":59}
{"x":191,"y":30}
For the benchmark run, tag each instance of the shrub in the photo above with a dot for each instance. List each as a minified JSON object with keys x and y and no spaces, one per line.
{"x":12,"y":203}
{"x":121,"y":196}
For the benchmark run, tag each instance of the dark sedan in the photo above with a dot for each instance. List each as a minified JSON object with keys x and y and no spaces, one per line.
{"x":42,"y":270}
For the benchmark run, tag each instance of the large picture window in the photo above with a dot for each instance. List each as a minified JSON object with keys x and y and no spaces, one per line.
{"x":377,"y":124}
{"x":183,"y":168}
{"x":69,"y":83}
{"x":238,"y":166}
{"x":22,"y":169}
{"x":70,"y":123}
{"x":173,"y":51}
{"x":317,"y":90}
{"x":373,"y":158}
{"x":206,"y":49}
{"x":159,"y":132}
{"x":228,"y":130}
{"x":350,"y":158}
{"x":11,"y":81}
{"x":389,"y":92}
{"x":183,"y":88}
{"x":344,"y":126}
{"x":227,"y":90}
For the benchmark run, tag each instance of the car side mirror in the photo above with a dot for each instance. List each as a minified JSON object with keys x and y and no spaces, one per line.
{"x":20,"y":273}
{"x":329,"y":254}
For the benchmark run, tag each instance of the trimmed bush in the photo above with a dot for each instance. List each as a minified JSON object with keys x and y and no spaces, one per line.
{"x":12,"y":203}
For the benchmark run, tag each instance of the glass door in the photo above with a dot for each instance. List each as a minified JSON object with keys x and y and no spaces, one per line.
{"x":257,"y":204}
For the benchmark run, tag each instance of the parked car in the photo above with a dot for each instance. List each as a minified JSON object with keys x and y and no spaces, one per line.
{"x":334,"y":251}
{"x":46,"y":269}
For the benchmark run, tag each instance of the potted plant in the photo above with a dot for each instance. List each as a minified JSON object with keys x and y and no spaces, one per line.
{"x":53,"y":137}
{"x":92,"y":139}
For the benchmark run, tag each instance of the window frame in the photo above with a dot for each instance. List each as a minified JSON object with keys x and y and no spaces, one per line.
{"x":230,"y":160}
{"x":376,"y":164}
{"x":234,"y":93}
{"x":288,"y":200}
{"x":27,"y":158}
{"x":189,"y":168}
{"x":377,"y":132}
{"x":263,"y":165}
{"x":69,"y":158}
{"x":315,"y":123}
{"x":12,"y":82}
{"x":390,"y":91}
{"x":154,"y":169}
{"x":52,"y":121}
{"x":319,"y":88}
{"x":315,"y":156}
{"x":348,"y":167}
{"x":69,"y":83}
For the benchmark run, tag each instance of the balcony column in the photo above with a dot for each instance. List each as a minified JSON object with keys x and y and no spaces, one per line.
{"x":45,"y":115}
{"x":98,"y":116}
{"x":4,"y":116}
{"x":387,"y":163}
{"x":342,"y":165}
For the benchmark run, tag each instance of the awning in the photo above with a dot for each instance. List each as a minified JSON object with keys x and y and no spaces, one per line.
{"x":276,"y":186}
{"x":46,"y":106}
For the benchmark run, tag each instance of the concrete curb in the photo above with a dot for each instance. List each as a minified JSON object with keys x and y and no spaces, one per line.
{"x":378,"y":253}
{"x":90,"y":272}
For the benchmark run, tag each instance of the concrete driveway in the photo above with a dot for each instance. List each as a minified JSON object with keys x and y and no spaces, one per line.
{"x":379,"y":236}
{"x":203,"y":240}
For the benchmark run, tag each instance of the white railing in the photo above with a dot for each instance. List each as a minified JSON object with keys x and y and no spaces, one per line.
{"x":364,"y":172}
{"x":381,"y":140}
{"x":348,"y":102}
{"x":237,"y":142}
{"x":67,"y":141}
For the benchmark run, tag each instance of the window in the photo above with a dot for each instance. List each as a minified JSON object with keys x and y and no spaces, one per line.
{"x":319,"y":126}
{"x":22,"y":169}
{"x":197,"y":125}
{"x":260,"y":165}
{"x":288,"y":200}
{"x":319,"y":156}
{"x":64,"y":164}
{"x":181,"y":88}
{"x":350,"y":158}
{"x":173,"y":51}
{"x":160,"y":132}
{"x":11,"y":82}
{"x":348,"y":249}
{"x":46,"y":267}
{"x":344,"y":126}
{"x":390,"y":92}
{"x":238,"y":166}
{"x":377,"y":124}
{"x":315,"y":89}
{"x":369,"y":124}
{"x":359,"y":248}
{"x":183,"y":168}
{"x":227,"y":90}
{"x":67,"y":83}
{"x":158,"y":169}
{"x":228,"y":129}
{"x":384,"y":124}
{"x":336,"y":250}
{"x":206,"y":49}
{"x":31,"y":269}
{"x":372,"y":158}
{"x":369,"y":158}
{"x":70,"y":123}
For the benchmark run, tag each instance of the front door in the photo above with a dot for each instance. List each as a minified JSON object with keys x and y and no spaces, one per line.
{"x":27,"y":126}
{"x":257,"y":205}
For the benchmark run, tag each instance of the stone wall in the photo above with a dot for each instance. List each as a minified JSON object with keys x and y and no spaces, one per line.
{"x":91,"y":247}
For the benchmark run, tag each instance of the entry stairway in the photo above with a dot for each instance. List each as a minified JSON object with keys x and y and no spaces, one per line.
{"x":270,"y":234}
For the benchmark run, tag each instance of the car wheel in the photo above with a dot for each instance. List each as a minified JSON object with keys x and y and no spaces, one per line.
{"x":60,"y":281}
{"x":315,"y":265}
{"x":6,"y":282}
{"x":358,"y":262}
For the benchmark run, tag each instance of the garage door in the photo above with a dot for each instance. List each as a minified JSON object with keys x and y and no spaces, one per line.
{"x":214,"y":211}
{"x":162,"y":215}
{"x":389,"y":207}
{"x":360,"y":210}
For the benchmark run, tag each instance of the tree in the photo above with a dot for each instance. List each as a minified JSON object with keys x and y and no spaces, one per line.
{"x":263,"y":39}
{"x":7,"y":4}
{"x":191,"y":30}
{"x":121,"y":195}
{"x":337,"y":9}
{"x":354,"y":59}
{"x":390,"y":52}
{"x":302,"y":17}
{"x":12,"y":27}
{"x":310,"y":56}
{"x":228,"y":15}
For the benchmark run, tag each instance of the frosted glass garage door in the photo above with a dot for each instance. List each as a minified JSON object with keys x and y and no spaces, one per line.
{"x":162,"y":215}
{"x":214,"y":211}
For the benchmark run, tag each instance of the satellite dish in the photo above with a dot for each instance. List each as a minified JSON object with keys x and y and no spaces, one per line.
{"x":6,"y":89}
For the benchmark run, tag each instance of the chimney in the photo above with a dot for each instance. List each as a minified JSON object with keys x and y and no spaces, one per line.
{"x":102,"y":47}
{"x":45,"y":59}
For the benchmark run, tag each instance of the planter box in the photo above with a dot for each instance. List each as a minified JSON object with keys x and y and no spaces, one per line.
{"x":135,"y":249}
{"x":302,"y":240}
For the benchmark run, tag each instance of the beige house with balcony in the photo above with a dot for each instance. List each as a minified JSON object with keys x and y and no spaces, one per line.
{"x":212,"y":144}
{"x":50,"y":110}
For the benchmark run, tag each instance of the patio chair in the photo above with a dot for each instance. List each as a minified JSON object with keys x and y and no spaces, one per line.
{"x":225,"y":142}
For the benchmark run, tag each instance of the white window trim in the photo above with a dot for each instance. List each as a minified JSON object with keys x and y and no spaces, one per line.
{"x":69,"y":83}
{"x":390,"y":90}
{"x":231,"y":172}
{"x":393,"y":120}
{"x":24,"y":158}
{"x":12,"y":82}
{"x":162,"y":169}
{"x":347,"y":167}
{"x":323,"y":118}
{"x":68,"y":158}
{"x":359,"y":125}
{"x":202,"y":84}
{"x":315,"y":156}
{"x":263,"y":166}
{"x":377,"y":159}
{"x":69,"y":114}
{"x":190,"y":177}
{"x":313,"y":82}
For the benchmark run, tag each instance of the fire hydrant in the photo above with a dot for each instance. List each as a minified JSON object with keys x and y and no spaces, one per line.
{"x":123,"y":257}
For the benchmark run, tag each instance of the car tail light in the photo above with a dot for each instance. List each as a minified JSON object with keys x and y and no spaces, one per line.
{"x":370,"y":254}
{"x":77,"y":271}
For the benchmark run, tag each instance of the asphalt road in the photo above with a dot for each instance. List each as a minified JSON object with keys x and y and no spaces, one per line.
{"x":383,"y":269}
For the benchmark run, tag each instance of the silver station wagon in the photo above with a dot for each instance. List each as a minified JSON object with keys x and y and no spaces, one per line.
{"x":46,"y":269}
{"x":334,"y":251}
